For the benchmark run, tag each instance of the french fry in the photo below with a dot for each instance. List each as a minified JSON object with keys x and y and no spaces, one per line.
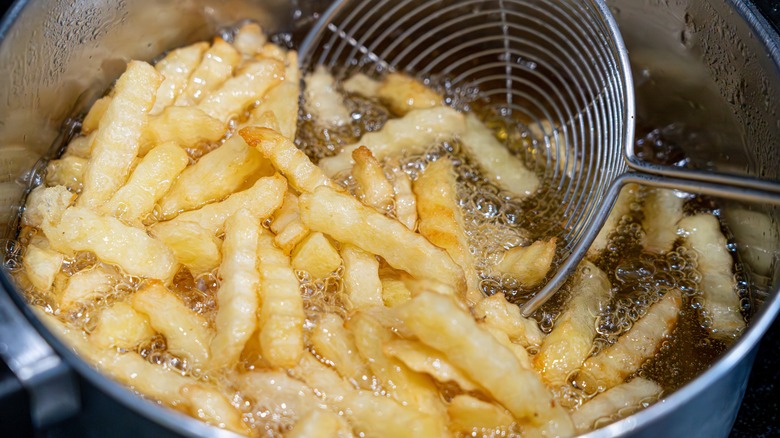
{"x":440,"y":323}
{"x":634,"y":394}
{"x":361,"y":277}
{"x":218,"y":174}
{"x":622,"y":207}
{"x":150,"y":180}
{"x":184,"y":125}
{"x":468,"y":414}
{"x":116,"y":142}
{"x":394,"y":291}
{"x":249,"y":40}
{"x":611,"y":366}
{"x":91,"y":121}
{"x":323,"y":101}
{"x":237,"y":298}
{"x":193,"y":246}
{"x":405,"y":202}
{"x":571,"y":340}
{"x":81,"y":229}
{"x":662,"y":210}
{"x":121,"y":326}
{"x":89,"y":284}
{"x":361,"y":85}
{"x":348,"y":221}
{"x":187,"y":334}
{"x":720,"y":301}
{"x":80,"y":146}
{"x":275,"y":392}
{"x":441,"y":220}
{"x":42,"y":265}
{"x":528,"y":264}
{"x":287,"y":225}
{"x":316,"y":255}
{"x":372,"y":186}
{"x":66,"y":171}
{"x":176,"y":68}
{"x":410,"y":134}
{"x":214,"y":69}
{"x":496,"y":311}
{"x":423,"y":359}
{"x":301,"y":173}
{"x":336,"y":345}
{"x":46,"y":205}
{"x":319,"y":423}
{"x":403,"y":93}
{"x":282,"y":100}
{"x":281,"y":312}
{"x":210,"y":406}
{"x":496,"y":162}
{"x":518,"y":350}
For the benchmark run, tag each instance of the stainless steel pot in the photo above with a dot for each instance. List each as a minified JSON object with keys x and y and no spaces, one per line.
{"x":711,"y":67}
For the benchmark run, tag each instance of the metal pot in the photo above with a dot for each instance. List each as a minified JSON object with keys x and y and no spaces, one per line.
{"x":711,"y":66}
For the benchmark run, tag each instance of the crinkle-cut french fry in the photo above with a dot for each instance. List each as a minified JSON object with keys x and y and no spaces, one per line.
{"x":282,"y":100}
{"x":518,"y":350}
{"x":46,"y":204}
{"x":336,"y":345}
{"x":441,"y":220}
{"x":239,"y":92}
{"x":221,"y":172}
{"x":496,"y":162}
{"x":150,"y":180}
{"x":369,"y":415}
{"x":622,"y":207}
{"x":275,"y":392}
{"x":214,"y":69}
{"x":287,"y":225}
{"x":495,"y":310}
{"x":272,"y":51}
{"x":394,"y":291}
{"x":136,"y":252}
{"x":469,"y":414}
{"x":571,"y":340}
{"x":319,"y":423}
{"x":410,"y":134}
{"x":89,"y":284}
{"x":720,"y":301}
{"x":316,"y":255}
{"x":91,"y":121}
{"x":361,"y":277}
{"x":281,"y":312}
{"x":302,"y":174}
{"x":362,"y":85}
{"x":528,"y":264}
{"x":440,"y":323}
{"x":42,"y":265}
{"x":187,"y":126}
{"x":424,"y":359}
{"x":212,"y":407}
{"x":405,"y":201}
{"x":408,"y":387}
{"x":80,"y":146}
{"x":348,"y":221}
{"x":237,"y":299}
{"x":187,"y":334}
{"x":323,"y":101}
{"x":662,"y":210}
{"x":634,"y":394}
{"x":193,"y":246}
{"x":116,"y":142}
{"x":67,"y":171}
{"x":176,"y":68}
{"x":249,"y":39}
{"x":121,"y":326}
{"x":403,"y":93}
{"x":372,"y":186}
{"x":612,"y":365}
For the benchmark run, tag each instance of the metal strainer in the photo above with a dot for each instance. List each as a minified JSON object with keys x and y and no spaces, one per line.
{"x":555,"y":70}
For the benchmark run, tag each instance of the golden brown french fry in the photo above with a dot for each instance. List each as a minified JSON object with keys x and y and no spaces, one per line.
{"x":361,"y":277}
{"x":611,"y":366}
{"x":405,"y":202}
{"x":361,"y":85}
{"x":176,"y":68}
{"x":287,"y":225}
{"x":637,"y":393}
{"x":89,"y":284}
{"x":46,"y":204}
{"x":528,"y":264}
{"x":410,"y":134}
{"x":571,"y":340}
{"x":469,"y":414}
{"x":394,"y":290}
{"x":215,"y":68}
{"x":622,"y":207}
{"x":237,"y":298}
{"x":116,"y":142}
{"x":80,"y":146}
{"x":662,"y":210}
{"x":403,"y":93}
{"x":193,"y":246}
{"x":316,"y":255}
{"x":424,"y":359}
{"x":323,"y":101}
{"x":282,"y":100}
{"x":42,"y":265}
{"x":348,"y":221}
{"x":372,"y":186}
{"x":281,"y":313}
{"x":186,"y":126}
{"x":67,"y":171}
{"x":249,"y":39}
{"x":121,"y":326}
{"x":496,"y":311}
{"x":319,"y":423}
{"x":332,"y":342}
{"x":91,"y":121}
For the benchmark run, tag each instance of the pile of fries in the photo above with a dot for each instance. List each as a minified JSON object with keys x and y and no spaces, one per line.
{"x":172,"y":242}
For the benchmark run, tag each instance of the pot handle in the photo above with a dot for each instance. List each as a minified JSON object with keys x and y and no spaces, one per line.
{"x":51,"y":386}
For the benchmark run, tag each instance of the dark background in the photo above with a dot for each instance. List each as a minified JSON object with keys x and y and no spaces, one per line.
{"x":758,"y":416}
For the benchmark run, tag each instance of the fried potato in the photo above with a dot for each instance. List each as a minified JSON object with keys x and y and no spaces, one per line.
{"x":637,"y":393}
{"x":528,"y":264}
{"x":423,"y":359}
{"x":611,"y":366}
{"x":403,"y":93}
{"x":318,"y":423}
{"x":113,"y":242}
{"x":348,"y":221}
{"x":405,"y":202}
{"x":187,"y":334}
{"x":193,"y":246}
{"x":496,"y":162}
{"x":91,"y":121}
{"x":626,"y":198}
{"x":80,"y":146}
{"x":571,"y":339}
{"x":116,"y":141}
{"x":316,"y":255}
{"x":281,"y":312}
{"x":336,"y":345}
{"x":237,"y":298}
{"x":184,"y":125}
{"x":410,"y":134}
{"x":518,"y":350}
{"x":441,"y":220}
{"x":287,"y":225}
{"x":274,"y":391}
{"x":662,"y":210}
{"x":323,"y":101}
{"x":46,"y":204}
{"x":361,"y":277}
{"x":720,"y":302}
{"x":121,"y":326}
{"x":372,"y":186}
{"x":176,"y":68}
{"x":249,"y":40}
{"x":301,"y":173}
{"x":89,"y":284}
{"x":67,"y":171}
{"x":469,"y":414}
{"x":214,"y":69}
{"x":42,"y":265}
{"x":394,"y":291}
{"x":282,"y":100}
{"x":362,"y":85}
{"x":496,"y":311}
{"x":150,"y":180}
{"x":218,"y":174}
{"x":210,"y":406}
